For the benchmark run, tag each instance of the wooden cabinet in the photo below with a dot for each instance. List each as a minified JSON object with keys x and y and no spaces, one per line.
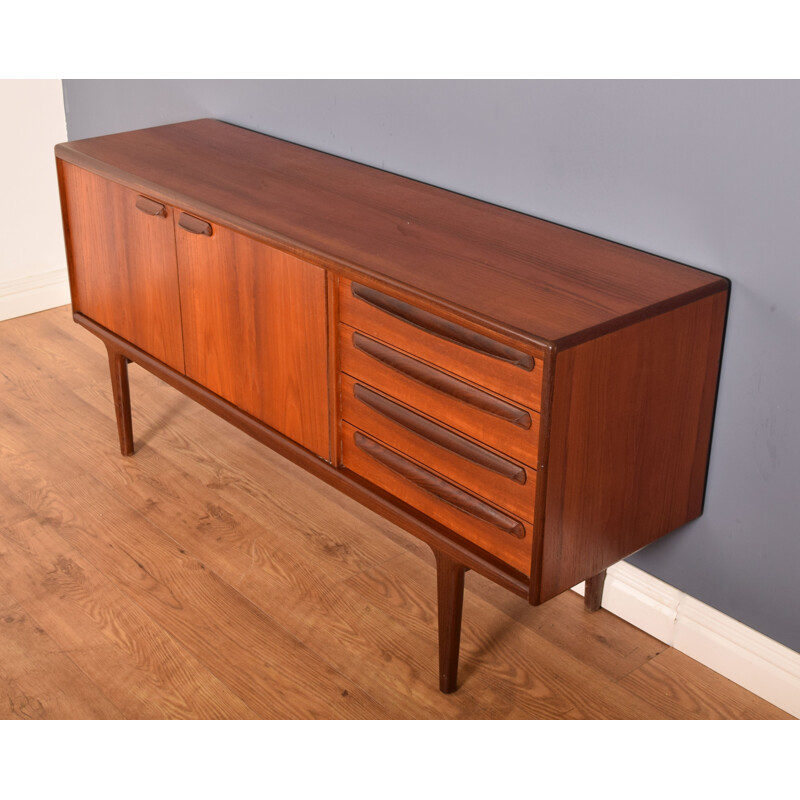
{"x":532,"y":402}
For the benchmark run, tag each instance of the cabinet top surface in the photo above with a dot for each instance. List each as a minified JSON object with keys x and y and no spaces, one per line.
{"x":516,"y":274}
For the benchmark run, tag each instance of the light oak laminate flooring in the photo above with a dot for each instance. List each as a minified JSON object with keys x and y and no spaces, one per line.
{"x":206,"y":577}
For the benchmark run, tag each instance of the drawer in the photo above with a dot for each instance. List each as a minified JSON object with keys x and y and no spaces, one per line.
{"x":498,"y":423}
{"x":506,"y":483}
{"x":506,"y":370}
{"x":491,"y":528}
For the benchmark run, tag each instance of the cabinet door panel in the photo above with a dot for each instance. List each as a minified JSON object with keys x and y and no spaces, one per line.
{"x":255,"y":329}
{"x":122,"y":261}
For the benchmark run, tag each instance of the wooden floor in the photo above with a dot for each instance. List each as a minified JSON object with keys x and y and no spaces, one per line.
{"x":205,"y":577}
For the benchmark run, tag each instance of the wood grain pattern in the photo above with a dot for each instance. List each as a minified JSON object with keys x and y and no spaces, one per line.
{"x":672,"y":683}
{"x":502,"y":377}
{"x":37,"y":679}
{"x":463,"y":415}
{"x":547,"y":685}
{"x":108,"y":637}
{"x":423,"y":493}
{"x":357,"y":591}
{"x":289,"y":544}
{"x":630,"y":437}
{"x":255,"y":331}
{"x":469,"y":470}
{"x":265,"y":526}
{"x":448,"y":253}
{"x":11,"y":508}
{"x":602,"y":641}
{"x":258,"y":660}
{"x":28,"y":468}
{"x":37,"y":346}
{"x":123,"y":271}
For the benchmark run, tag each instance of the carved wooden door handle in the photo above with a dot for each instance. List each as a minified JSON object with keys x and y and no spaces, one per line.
{"x":194,"y":225}
{"x":151,"y":207}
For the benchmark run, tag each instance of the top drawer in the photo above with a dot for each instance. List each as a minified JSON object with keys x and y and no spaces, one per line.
{"x":512,"y":372}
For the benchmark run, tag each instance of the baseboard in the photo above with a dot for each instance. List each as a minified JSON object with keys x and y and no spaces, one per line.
{"x":35,"y":293}
{"x":741,"y":654}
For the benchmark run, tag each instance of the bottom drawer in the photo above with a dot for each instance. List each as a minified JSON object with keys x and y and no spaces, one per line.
{"x":468,"y":515}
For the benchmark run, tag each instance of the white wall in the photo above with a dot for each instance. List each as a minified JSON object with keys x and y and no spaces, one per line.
{"x":33,"y":267}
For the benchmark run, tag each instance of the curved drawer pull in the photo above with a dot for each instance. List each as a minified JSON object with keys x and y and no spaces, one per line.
{"x":194,"y":225}
{"x":435,"y":379}
{"x":150,"y":207}
{"x":438,"y":435}
{"x":442,"y":328}
{"x":433,"y":484}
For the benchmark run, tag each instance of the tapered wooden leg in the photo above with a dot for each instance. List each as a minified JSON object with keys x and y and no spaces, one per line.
{"x":450,"y":591}
{"x":593,"y":593}
{"x":118,"y":365}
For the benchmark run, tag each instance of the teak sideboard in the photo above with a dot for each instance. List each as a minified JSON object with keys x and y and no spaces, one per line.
{"x":533,"y":402}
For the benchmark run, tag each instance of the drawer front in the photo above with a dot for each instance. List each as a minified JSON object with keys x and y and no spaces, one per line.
{"x":491,"y":528}
{"x":504,"y":426}
{"x":506,"y":370}
{"x":504,"y":482}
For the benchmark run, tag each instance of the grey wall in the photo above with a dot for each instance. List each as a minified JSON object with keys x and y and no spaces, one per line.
{"x":707,"y":173}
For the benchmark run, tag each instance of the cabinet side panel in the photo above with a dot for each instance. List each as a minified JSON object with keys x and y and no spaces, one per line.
{"x":123,"y":272}
{"x":255,"y":331}
{"x":630,"y":436}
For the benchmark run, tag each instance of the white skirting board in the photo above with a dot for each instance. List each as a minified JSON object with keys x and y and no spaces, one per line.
{"x":35,"y":293}
{"x":754,"y":661}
